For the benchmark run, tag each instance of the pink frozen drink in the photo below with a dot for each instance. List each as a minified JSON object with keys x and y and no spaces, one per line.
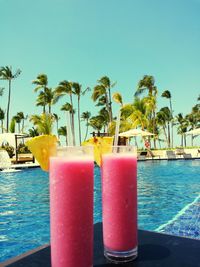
{"x":119,"y":193}
{"x":71,"y":210}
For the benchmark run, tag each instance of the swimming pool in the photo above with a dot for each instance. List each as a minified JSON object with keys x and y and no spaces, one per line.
{"x":166,"y":189}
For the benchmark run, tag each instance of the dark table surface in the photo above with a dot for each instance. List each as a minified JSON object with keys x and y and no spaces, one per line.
{"x":154,"y":250}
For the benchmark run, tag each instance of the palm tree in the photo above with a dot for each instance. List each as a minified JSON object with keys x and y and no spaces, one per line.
{"x":147,"y":83}
{"x":163,"y":118}
{"x":12,"y":125}
{"x":65,"y":88}
{"x":102,"y":92}
{"x":46,"y":98}
{"x":86,"y":116}
{"x":97,"y":123}
{"x":67,"y":107}
{"x":161,"y":121}
{"x":33,"y":132}
{"x":182,"y":127}
{"x":7,"y":74}
{"x":41,"y":82}
{"x":132,"y":116}
{"x":117,"y":97}
{"x":56,"y":119}
{"x":193,"y":120}
{"x":167,"y":117}
{"x":17,"y":119}
{"x":191,"y":123}
{"x":137,"y":113}
{"x":23,"y":118}
{"x":50,"y":98}
{"x":167,"y":95}
{"x":105,"y":116}
{"x":2,"y":117}
{"x":196,"y":112}
{"x":78,"y":92}
{"x":41,"y":101}
{"x":43,"y":123}
{"x":63,"y":131}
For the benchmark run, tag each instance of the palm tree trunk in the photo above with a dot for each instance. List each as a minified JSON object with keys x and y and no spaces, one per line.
{"x":165,"y":133}
{"x":154,"y":124}
{"x":110,"y":103}
{"x":169,"y":139}
{"x":66,"y":140}
{"x":22,"y":125}
{"x":86,"y":133}
{"x":172,"y":134}
{"x":108,"y":107}
{"x":68,"y":130}
{"x":159,"y":143}
{"x":79,"y":120}
{"x":8,"y":106}
{"x":72,"y":121}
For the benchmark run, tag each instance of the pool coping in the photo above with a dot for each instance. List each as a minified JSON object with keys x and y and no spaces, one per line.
{"x":22,"y":166}
{"x":36,"y":165}
{"x":170,"y":159}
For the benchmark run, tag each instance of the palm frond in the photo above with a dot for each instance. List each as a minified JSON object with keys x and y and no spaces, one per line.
{"x":98,"y":91}
{"x":117,"y":97}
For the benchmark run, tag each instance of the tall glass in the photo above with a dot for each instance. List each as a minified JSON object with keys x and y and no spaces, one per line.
{"x":71,"y":207}
{"x":119,"y":196}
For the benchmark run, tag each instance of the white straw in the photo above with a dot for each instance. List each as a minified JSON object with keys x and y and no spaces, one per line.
{"x":117,"y":128}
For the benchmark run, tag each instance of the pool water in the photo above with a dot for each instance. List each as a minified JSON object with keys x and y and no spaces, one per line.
{"x":165,"y":189}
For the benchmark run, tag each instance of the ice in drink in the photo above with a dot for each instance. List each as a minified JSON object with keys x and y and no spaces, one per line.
{"x":119,"y":193}
{"x":71,"y":210}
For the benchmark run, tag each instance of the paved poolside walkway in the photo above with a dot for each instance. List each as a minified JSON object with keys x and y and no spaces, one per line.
{"x":21,"y":166}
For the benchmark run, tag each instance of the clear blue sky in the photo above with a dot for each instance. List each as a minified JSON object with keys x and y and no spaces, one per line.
{"x":84,"y":40}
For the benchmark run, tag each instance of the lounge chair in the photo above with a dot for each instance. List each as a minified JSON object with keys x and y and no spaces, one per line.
{"x":170,"y":155}
{"x":147,"y":154}
{"x":142,"y":155}
{"x":180,"y":152}
{"x":187,"y":156}
{"x":150,"y":153}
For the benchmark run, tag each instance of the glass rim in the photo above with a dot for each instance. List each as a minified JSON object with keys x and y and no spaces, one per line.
{"x":73,"y":147}
{"x":120,"y":149}
{"x":74,"y":150}
{"x":124,"y":146}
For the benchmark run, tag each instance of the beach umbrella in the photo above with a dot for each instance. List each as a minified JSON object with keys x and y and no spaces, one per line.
{"x":135,"y":132}
{"x":194,"y":132}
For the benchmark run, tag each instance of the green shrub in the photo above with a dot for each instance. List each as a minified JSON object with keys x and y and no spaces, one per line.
{"x":22,"y":149}
{"x":9,"y":149}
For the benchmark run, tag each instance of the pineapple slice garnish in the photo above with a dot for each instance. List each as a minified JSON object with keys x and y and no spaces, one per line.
{"x":42,"y":147}
{"x":101,"y":145}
